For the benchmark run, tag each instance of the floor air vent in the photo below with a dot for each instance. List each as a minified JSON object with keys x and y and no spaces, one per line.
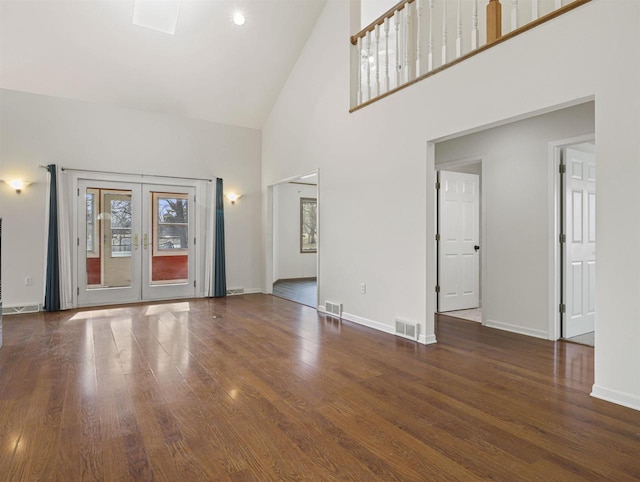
{"x":332,"y":308}
{"x":14,"y":310}
{"x":407,"y":330}
{"x":235,"y":291}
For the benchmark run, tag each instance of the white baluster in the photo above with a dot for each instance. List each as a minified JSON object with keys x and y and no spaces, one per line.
{"x":368,"y":62}
{"x":377,"y":31}
{"x":387,"y":82}
{"x":459,"y":31}
{"x":419,"y":38}
{"x":396,"y":18}
{"x":407,"y":37}
{"x":535,"y":9}
{"x":475,"y":32}
{"x":444,"y":32}
{"x":514,"y":15}
{"x":360,"y":79}
{"x":430,"y":51}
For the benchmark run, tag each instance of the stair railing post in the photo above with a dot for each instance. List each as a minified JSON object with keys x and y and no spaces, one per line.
{"x":494,"y":21}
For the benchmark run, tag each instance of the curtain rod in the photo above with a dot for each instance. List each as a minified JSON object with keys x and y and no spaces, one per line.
{"x":131,"y":174}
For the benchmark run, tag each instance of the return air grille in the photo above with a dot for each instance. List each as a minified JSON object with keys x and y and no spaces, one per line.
{"x":333,"y":308}
{"x":407,"y":330}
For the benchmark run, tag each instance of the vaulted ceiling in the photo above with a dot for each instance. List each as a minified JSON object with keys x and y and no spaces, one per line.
{"x":210,"y":69}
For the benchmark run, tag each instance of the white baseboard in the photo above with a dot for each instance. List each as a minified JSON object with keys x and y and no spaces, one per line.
{"x":427,"y":340}
{"x":322,"y":308}
{"x":614,"y":396}
{"x":517,"y":329}
{"x":376,"y":325}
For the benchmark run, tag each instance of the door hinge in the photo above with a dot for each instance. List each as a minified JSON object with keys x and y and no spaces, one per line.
{"x":437,"y":288}
{"x":194,"y":283}
{"x":563,"y":308}
{"x":437,"y":237}
{"x":563,"y":238}
{"x":563,"y":168}
{"x":78,"y":241}
{"x":194,"y":241}
{"x":78,"y":192}
{"x":194,"y":198}
{"x":437,"y":185}
{"x":78,"y":291}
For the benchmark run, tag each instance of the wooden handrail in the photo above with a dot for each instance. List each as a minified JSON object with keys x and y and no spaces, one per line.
{"x":380,"y":20}
{"x":550,"y":16}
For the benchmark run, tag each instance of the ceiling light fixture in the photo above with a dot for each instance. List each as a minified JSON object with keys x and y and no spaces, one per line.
{"x":159,"y":15}
{"x":238,"y":19}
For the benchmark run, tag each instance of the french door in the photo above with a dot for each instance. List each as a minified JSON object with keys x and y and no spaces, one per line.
{"x":135,"y":242}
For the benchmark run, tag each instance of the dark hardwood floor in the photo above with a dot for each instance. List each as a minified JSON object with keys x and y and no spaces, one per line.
{"x":304,"y":291}
{"x":258,"y":388}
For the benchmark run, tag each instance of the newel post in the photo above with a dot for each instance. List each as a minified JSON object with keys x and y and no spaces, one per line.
{"x":494,"y":21}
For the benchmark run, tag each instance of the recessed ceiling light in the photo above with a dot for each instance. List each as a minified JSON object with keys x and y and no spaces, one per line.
{"x":159,"y":15}
{"x":238,"y":19}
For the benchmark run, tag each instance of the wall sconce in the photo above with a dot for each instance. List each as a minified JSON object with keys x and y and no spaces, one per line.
{"x":18,"y":184}
{"x":233,"y":197}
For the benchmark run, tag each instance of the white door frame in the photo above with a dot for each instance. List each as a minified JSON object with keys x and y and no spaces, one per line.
{"x":203,"y":190}
{"x":554,"y":228}
{"x":269,"y":238}
{"x":447,"y":165}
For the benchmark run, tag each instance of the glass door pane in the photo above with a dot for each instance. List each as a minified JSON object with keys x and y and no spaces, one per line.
{"x":168,"y":237}
{"x":108,"y":255}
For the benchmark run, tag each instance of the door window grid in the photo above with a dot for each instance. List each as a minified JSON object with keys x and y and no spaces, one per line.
{"x":170,"y":224}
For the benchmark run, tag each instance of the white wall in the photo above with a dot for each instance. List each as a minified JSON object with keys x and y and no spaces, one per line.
{"x":515,"y":160}
{"x":377,"y":219}
{"x":289,"y":262}
{"x":37,"y":129}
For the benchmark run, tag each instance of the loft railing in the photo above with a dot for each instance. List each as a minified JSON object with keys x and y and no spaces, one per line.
{"x":419,"y":38}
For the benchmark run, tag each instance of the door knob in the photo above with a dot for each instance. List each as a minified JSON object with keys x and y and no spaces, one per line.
{"x":476,"y":247}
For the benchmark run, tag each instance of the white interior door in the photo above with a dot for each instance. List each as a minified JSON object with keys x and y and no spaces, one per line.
{"x":168,"y":242}
{"x":109,"y":260}
{"x":580,"y":246}
{"x":458,"y":248}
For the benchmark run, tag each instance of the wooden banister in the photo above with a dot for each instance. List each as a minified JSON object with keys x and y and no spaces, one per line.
{"x":494,"y":21}
{"x":380,"y":20}
{"x":500,"y":39}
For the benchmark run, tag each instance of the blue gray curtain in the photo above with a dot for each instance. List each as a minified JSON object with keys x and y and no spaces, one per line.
{"x":52,"y":285}
{"x":220,"y":276}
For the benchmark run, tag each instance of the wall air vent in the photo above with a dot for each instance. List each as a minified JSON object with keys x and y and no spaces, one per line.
{"x":333,"y":308}
{"x":408,"y":330}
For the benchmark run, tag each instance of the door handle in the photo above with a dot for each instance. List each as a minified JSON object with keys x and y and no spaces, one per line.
{"x":135,"y":241}
{"x":476,"y":247}
{"x":145,"y":241}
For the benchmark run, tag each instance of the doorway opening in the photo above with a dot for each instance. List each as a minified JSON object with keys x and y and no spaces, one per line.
{"x":459,"y":239}
{"x":577,"y":241}
{"x":293,"y":207}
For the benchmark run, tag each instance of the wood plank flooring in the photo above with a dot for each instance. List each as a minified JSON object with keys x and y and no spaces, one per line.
{"x":304,"y":291}
{"x":258,"y":388}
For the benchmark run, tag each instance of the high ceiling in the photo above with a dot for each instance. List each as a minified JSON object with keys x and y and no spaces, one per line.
{"x":211,"y":69}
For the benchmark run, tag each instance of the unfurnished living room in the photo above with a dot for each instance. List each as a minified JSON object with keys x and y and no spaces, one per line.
{"x":319,"y":240}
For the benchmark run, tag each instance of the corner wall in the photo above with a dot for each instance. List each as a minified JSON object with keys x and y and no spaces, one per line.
{"x":36,"y":129}
{"x":377,"y":218}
